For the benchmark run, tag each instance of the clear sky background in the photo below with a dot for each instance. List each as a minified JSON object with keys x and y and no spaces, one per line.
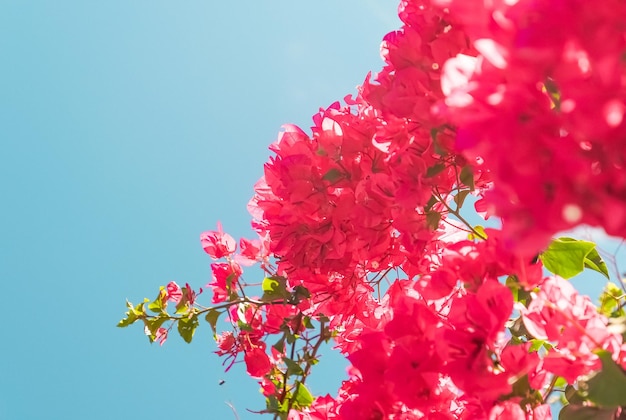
{"x":128,"y":128}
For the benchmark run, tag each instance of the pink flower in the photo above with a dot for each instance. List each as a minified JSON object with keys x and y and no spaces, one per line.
{"x":226,"y":343}
{"x":160,"y":336}
{"x":571,"y":321}
{"x":253,"y":251}
{"x":189,"y":295}
{"x":541,"y":412}
{"x":509,"y":410}
{"x":174,"y":292}
{"x":217,"y":243}
{"x":257,"y":362}
{"x":225,"y":277}
{"x":323,"y":408}
{"x":268,"y":388}
{"x":518,"y":362}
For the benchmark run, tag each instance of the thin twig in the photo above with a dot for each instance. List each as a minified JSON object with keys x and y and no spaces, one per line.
{"x":232,"y":407}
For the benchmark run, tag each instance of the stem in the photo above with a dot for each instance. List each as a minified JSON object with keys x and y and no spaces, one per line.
{"x":550,"y":388}
{"x":310,"y":358}
{"x":457,"y":214}
{"x":291,"y":356}
{"x":378,"y":277}
{"x":226,"y":305}
{"x":232,"y":408}
{"x":316,"y":347}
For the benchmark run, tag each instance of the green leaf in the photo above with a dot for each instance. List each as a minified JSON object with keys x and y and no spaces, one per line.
{"x":607,"y":388}
{"x":274,"y":288}
{"x":243,"y":326}
{"x":211,"y":317}
{"x":535,"y":345}
{"x":303,"y":397}
{"x":292,"y":367}
{"x":480,"y":230}
{"x":594,"y":262}
{"x":229,"y":283}
{"x":275,"y":406}
{"x":307,"y":323}
{"x":133,"y":314}
{"x":332,"y":175}
{"x":301,"y":292}
{"x":553,"y":92}
{"x":159,"y":304}
{"x":467,"y":177}
{"x":573,"y":396}
{"x":181,"y":307}
{"x":270,"y":283}
{"x":580,"y":412}
{"x":566,"y":257}
{"x":517,"y":328}
{"x":139,"y":308}
{"x":436,"y":146}
{"x":459,"y":198}
{"x":156,"y":306}
{"x":431,"y":202}
{"x":560,"y":382}
{"x":280,"y":345}
{"x":434,"y":132}
{"x":513,"y":284}
{"x":155,"y":323}
{"x":129,"y":320}
{"x":435,"y":169}
{"x":187,"y":327}
{"x":432,"y":219}
{"x":610,"y":300}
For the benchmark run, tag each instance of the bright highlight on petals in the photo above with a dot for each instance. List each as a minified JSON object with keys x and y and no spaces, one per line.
{"x":572,"y":213}
{"x":492,"y":51}
{"x":614,"y":113}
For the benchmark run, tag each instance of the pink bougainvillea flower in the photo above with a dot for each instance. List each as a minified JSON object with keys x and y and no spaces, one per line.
{"x":279,"y":315}
{"x":226,"y":343}
{"x":267,"y":387}
{"x":189,"y":295}
{"x":323,"y":408}
{"x":174,"y":292}
{"x":571,"y":321}
{"x":217,"y":243}
{"x":225,"y":276}
{"x":543,"y":108}
{"x":518,"y":361}
{"x":253,"y":251}
{"x":160,"y":336}
{"x":509,"y":410}
{"x":541,"y":412}
{"x":257,"y":362}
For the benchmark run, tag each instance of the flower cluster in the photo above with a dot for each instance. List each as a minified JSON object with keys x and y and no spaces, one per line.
{"x":542,"y":105}
{"x":364,"y":240}
{"x":337,"y":206}
{"x":572,"y":323}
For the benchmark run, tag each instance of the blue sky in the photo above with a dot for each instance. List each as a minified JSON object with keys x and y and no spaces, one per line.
{"x":128,"y":128}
